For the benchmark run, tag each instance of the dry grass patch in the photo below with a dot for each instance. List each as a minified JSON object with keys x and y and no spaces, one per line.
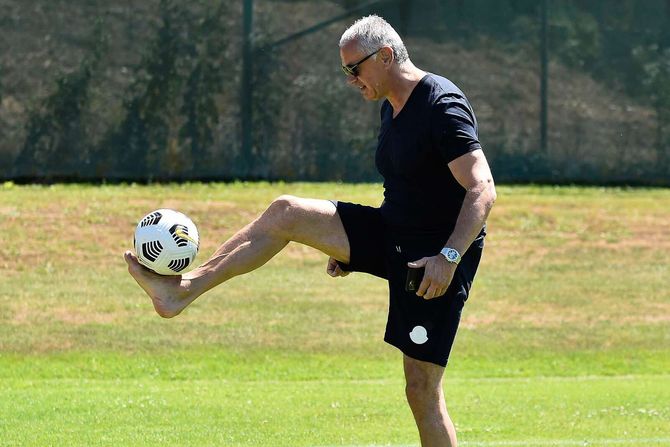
{"x":554,"y":260}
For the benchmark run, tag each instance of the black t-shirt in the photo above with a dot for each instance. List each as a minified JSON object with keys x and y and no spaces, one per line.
{"x":436,"y":125}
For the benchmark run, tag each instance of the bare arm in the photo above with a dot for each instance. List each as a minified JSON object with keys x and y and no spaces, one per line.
{"x":473,"y":173}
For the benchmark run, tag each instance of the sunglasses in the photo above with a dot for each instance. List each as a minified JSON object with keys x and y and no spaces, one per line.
{"x":352,"y":69}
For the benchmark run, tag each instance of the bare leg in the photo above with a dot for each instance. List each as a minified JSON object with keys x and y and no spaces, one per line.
{"x":426,"y":399}
{"x":308,"y":221}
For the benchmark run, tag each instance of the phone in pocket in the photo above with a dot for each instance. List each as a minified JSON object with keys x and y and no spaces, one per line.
{"x":414,"y":278}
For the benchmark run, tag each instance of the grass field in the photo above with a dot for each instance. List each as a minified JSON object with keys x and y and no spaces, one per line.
{"x":565,"y":339}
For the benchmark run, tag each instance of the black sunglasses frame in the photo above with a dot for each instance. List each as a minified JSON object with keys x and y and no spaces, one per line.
{"x":352,"y":69}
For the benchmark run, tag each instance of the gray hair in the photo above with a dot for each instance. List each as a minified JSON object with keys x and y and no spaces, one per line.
{"x":371,"y":33}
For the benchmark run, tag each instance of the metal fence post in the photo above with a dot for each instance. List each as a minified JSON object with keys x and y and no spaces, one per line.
{"x":544,"y":75}
{"x":246,"y":95}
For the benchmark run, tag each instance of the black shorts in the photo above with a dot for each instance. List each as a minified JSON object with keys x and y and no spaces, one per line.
{"x":422,"y":329}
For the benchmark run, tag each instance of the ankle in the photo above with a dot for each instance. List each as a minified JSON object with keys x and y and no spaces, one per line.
{"x":185,"y":288}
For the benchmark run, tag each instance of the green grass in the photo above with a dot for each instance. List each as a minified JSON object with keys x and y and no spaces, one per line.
{"x":347,"y":411}
{"x":565,"y":338}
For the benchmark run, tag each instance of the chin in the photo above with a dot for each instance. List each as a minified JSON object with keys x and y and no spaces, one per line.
{"x":368,"y":95}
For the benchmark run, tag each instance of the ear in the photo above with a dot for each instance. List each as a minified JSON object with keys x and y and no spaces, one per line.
{"x":386,"y":55}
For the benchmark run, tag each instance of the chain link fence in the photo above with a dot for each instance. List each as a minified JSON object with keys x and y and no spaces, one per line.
{"x":93,"y":91}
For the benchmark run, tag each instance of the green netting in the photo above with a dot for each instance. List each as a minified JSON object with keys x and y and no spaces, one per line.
{"x":153,"y":90}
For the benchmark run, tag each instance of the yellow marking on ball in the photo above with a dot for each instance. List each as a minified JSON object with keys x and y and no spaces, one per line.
{"x":179,"y":232}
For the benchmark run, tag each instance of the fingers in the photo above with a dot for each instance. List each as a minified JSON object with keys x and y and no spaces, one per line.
{"x":437,"y":277}
{"x":337,"y":271}
{"x":433,"y":284}
{"x":434,"y":292}
{"x":423,"y":287}
{"x":430,"y":289}
{"x":418,"y":264}
{"x":334,"y":270}
{"x":331,"y":267}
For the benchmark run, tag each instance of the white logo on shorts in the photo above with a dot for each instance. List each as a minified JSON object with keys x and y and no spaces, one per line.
{"x":419,"y":335}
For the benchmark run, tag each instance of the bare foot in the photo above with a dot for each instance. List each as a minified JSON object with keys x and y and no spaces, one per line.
{"x":168,"y":294}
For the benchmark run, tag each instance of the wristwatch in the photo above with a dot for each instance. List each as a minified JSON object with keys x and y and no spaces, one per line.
{"x":451,"y":254}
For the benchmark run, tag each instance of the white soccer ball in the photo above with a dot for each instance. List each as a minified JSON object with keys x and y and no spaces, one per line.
{"x":166,"y":241}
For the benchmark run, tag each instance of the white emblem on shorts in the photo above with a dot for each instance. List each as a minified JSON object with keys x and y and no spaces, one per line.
{"x":419,"y":335}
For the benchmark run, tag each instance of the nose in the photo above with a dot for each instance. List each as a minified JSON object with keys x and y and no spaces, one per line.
{"x":351,"y":80}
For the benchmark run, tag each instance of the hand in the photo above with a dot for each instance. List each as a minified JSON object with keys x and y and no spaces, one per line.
{"x":334,"y":270}
{"x":437,"y":276}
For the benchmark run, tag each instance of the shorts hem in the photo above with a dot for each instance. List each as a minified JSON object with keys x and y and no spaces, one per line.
{"x":442,"y":363}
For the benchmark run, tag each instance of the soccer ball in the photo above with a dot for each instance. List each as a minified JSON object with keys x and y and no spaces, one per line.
{"x":166,"y":241}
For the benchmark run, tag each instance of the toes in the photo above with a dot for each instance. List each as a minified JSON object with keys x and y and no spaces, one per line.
{"x":134,"y":267}
{"x":133,"y":263}
{"x":129,"y":257}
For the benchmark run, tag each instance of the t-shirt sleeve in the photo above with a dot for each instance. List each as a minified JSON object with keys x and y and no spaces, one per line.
{"x":454,"y":128}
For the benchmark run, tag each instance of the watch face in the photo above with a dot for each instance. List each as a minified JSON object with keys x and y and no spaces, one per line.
{"x":452,"y":255}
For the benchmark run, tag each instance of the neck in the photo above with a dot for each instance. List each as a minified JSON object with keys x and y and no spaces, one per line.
{"x":401,"y":84}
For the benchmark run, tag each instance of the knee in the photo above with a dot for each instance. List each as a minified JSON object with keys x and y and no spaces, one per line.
{"x":422,"y":393}
{"x":283,"y":214}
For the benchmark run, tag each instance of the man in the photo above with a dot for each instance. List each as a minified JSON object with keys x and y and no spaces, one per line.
{"x":438,"y":193}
